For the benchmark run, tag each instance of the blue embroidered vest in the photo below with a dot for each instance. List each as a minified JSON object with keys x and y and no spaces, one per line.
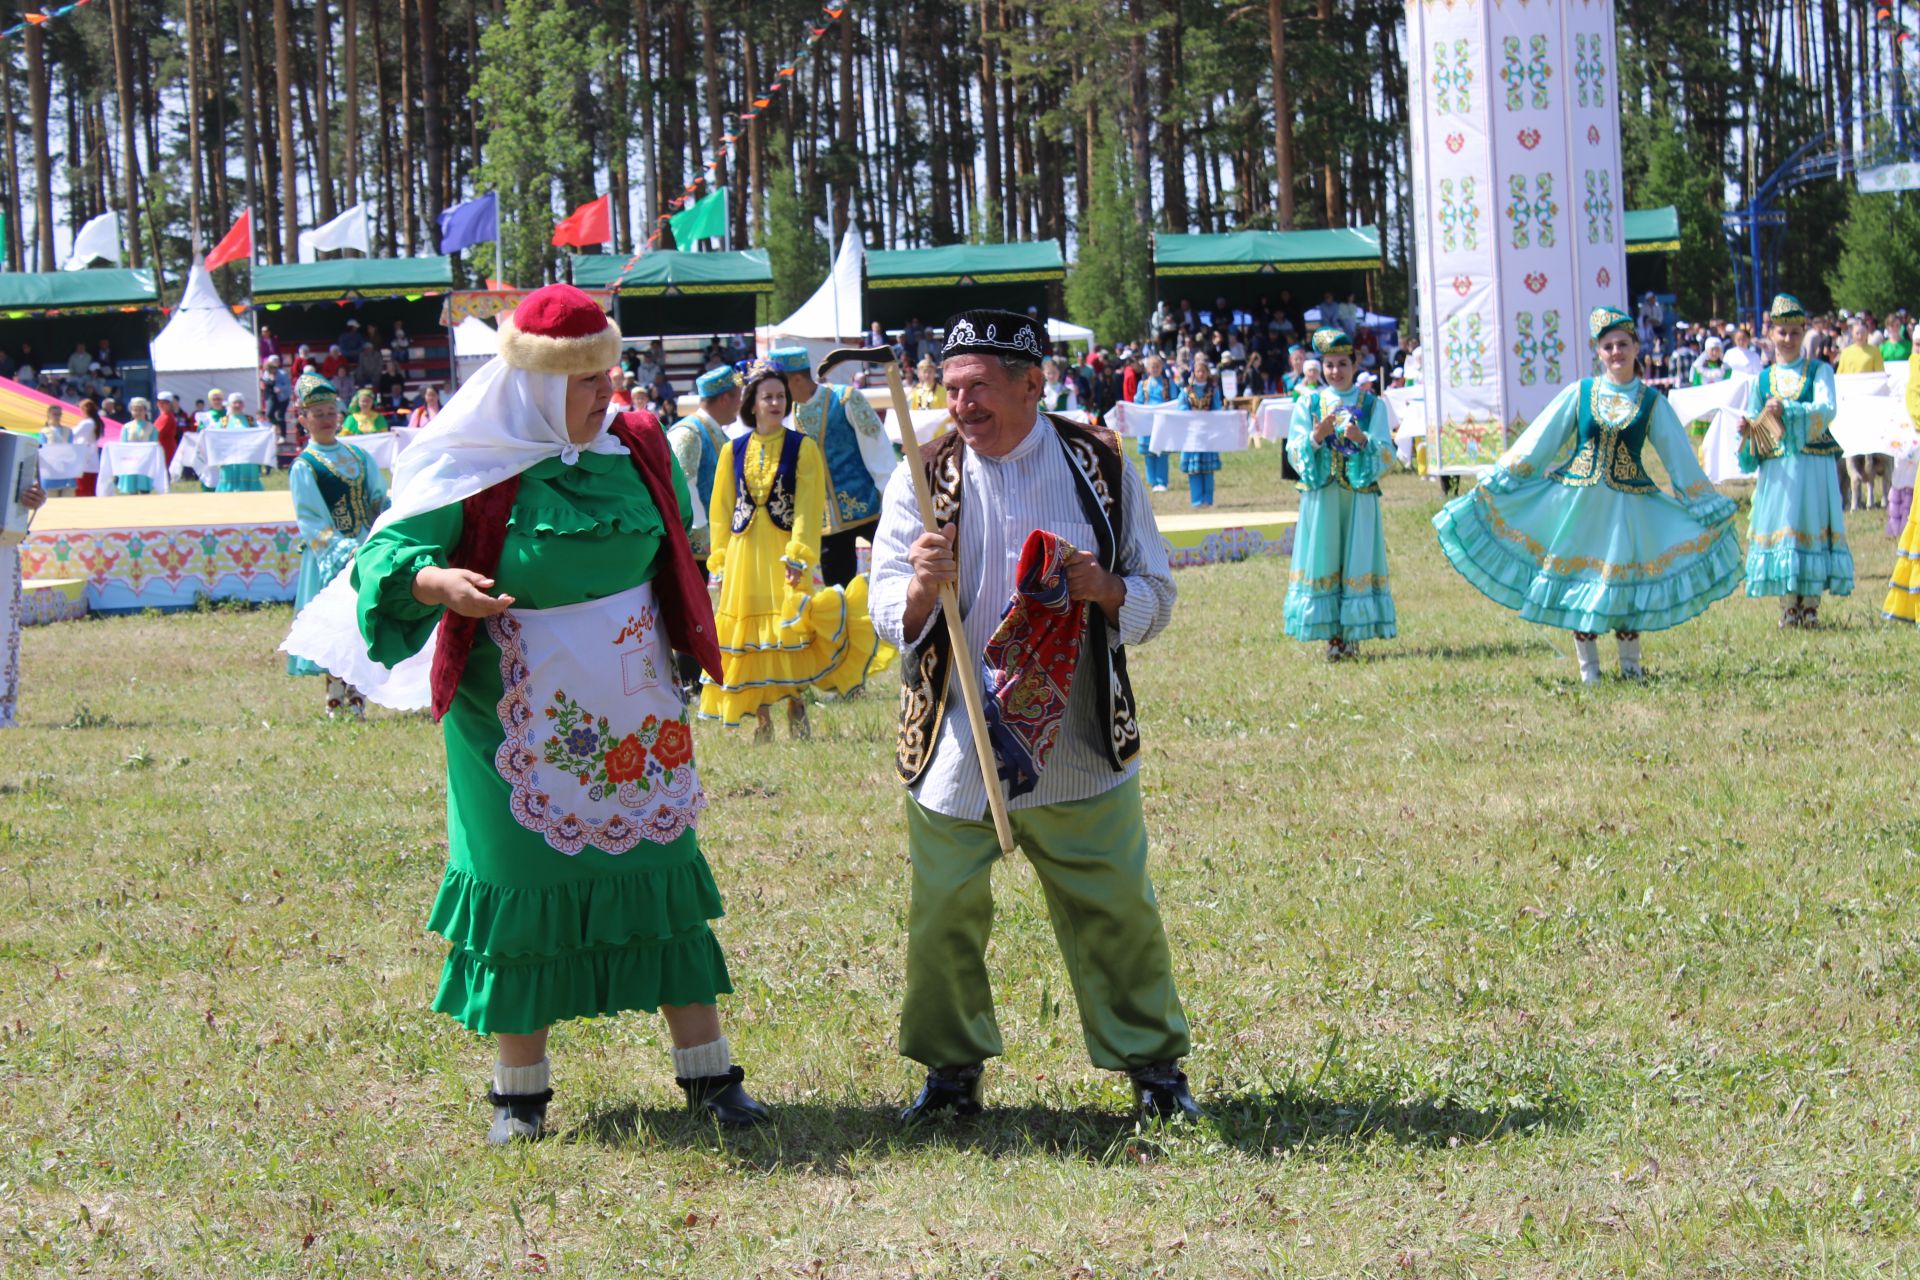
{"x":1607,"y":451}
{"x":709,"y":454}
{"x":1822,"y":445}
{"x":852,"y":497}
{"x":349,"y":499}
{"x":780,"y":497}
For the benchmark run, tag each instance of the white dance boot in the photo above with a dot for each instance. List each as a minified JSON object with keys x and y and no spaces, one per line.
{"x":1588,"y":652}
{"x":1630,"y":659}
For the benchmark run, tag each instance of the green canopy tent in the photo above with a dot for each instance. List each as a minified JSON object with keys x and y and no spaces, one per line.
{"x":669,"y":292}
{"x":311,"y":302}
{"x":1652,"y":234}
{"x":932,"y":284}
{"x":1245,"y":266}
{"x":53,"y":310}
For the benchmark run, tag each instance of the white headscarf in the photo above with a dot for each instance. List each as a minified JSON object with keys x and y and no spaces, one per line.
{"x":501,"y":421}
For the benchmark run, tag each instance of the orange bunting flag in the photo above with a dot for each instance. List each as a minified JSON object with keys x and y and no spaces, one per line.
{"x":761,"y":104}
{"x":35,"y":18}
{"x":787,"y":71}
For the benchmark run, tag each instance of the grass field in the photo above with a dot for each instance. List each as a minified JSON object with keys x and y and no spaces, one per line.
{"x":1490,"y":974}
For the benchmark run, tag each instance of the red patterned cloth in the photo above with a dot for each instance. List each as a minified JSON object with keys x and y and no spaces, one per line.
{"x":1030,"y":660}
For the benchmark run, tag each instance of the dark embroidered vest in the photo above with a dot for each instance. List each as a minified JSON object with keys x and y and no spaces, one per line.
{"x":678,"y":583}
{"x":1609,"y":453}
{"x":926,"y":672}
{"x":1822,"y":445}
{"x":349,"y":501}
{"x":1362,"y":411}
{"x":780,"y":498}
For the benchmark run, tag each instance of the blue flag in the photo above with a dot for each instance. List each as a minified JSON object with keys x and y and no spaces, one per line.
{"x":475,"y":222}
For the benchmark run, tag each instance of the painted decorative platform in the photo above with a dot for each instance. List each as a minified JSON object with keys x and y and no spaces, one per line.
{"x":53,"y":600}
{"x":1222,"y":537}
{"x":168,"y":551}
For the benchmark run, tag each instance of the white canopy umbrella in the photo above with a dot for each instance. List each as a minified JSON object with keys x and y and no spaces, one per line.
{"x":1064,"y":331}
{"x":474,"y":343}
{"x":833,"y":316}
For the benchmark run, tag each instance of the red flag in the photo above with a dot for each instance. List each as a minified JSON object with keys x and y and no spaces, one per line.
{"x":237,"y":244}
{"x":590,"y":224}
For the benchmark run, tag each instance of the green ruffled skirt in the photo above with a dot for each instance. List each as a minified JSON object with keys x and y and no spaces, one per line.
{"x":536,"y":936}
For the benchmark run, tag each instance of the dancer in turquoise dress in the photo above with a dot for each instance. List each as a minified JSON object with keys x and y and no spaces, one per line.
{"x":239,"y":477}
{"x":1796,"y":532}
{"x":1592,"y":544}
{"x":1340,"y":442}
{"x":138,"y":431}
{"x":338,"y":492}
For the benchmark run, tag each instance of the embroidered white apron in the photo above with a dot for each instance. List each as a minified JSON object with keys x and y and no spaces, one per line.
{"x":597,"y":747}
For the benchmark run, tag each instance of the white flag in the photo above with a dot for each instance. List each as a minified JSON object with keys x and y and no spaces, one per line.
{"x":99,"y":238}
{"x":348,"y":231}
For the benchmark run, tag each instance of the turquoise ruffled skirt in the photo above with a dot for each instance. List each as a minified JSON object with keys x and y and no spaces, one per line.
{"x":1797,"y":533}
{"x":1592,"y":558}
{"x":1339,"y":586}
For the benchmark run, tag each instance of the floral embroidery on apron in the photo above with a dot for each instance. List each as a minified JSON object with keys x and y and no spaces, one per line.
{"x":597,"y":747}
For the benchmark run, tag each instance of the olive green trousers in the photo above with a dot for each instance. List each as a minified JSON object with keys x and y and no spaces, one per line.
{"x":1091,"y":857}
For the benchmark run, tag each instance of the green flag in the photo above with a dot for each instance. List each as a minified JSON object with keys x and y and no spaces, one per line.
{"x":704,"y":218}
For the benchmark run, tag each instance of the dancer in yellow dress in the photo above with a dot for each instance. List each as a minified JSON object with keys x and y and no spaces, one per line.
{"x":779,"y":631}
{"x":1903,"y":592}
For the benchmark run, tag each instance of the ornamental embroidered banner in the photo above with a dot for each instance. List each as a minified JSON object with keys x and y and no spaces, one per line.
{"x":1516,"y":190}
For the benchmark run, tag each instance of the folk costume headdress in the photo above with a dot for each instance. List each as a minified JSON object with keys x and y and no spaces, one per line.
{"x":715,"y":383}
{"x":312,"y":390}
{"x":508,"y":416}
{"x":1330,"y":341}
{"x":1786,"y":307}
{"x":1605,"y":320}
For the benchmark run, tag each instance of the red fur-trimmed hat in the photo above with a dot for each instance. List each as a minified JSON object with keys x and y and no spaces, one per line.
{"x":559,"y":329}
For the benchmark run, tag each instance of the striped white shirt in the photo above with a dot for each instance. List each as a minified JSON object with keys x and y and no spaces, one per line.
{"x":1003,"y":500}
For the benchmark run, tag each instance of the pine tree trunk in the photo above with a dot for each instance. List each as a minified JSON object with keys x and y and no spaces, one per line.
{"x":129,"y":158}
{"x":617,"y":146}
{"x":323,"y":108}
{"x":710,"y":69}
{"x":406,"y":232}
{"x":350,"y":90}
{"x":263,"y":181}
{"x":843,"y":185}
{"x":756,"y":172}
{"x":432,"y":91}
{"x":385,"y":148}
{"x":1282,"y":114}
{"x":16,"y":259}
{"x":990,"y":123}
{"x":1173,"y":133}
{"x":196,"y":228}
{"x":283,"y":116}
{"x":1137,"y":115}
{"x":940,"y":153}
{"x":647,"y":87}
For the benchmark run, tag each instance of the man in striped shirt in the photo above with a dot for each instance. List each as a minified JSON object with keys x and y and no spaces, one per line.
{"x":1006,"y":471}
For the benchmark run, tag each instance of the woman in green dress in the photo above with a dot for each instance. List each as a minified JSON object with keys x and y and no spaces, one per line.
{"x":529,"y":583}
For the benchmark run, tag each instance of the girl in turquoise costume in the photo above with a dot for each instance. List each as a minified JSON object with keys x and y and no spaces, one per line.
{"x":529,"y":582}
{"x":1202,"y":394}
{"x":239,"y":477}
{"x":1796,"y":533}
{"x":338,"y":493}
{"x":1340,"y":442}
{"x":1592,"y":544}
{"x":1155,"y":388}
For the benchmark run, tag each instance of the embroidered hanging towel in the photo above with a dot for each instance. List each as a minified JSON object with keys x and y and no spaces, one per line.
{"x":1030,"y":660}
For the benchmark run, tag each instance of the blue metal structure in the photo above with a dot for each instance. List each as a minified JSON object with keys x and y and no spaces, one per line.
{"x":1753,"y":231}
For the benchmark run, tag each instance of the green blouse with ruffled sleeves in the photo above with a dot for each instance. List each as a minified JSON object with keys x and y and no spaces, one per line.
{"x":537,"y":936}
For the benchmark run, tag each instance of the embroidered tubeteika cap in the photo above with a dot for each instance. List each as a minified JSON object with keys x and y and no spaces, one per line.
{"x":994,"y":333}
{"x":1330,"y":341}
{"x":1605,"y":320}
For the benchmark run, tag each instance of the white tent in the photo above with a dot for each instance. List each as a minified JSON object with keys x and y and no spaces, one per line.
{"x":203,"y":346}
{"x":833,"y":316}
{"x":474,"y":343}
{"x":1062,"y":331}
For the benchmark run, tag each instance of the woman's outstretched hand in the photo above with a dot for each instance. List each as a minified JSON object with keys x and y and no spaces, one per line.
{"x":461,"y":590}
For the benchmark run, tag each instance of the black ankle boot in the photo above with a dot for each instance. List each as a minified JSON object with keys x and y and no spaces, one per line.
{"x":723,"y":1098}
{"x":948,"y":1091}
{"x":518,"y":1117}
{"x":1160,"y":1093}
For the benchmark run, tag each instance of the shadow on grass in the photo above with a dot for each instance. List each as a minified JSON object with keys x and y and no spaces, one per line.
{"x":1266,"y":1125}
{"x":1515,"y":648}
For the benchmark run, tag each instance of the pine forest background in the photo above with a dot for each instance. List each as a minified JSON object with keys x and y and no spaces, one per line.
{"x":928,"y":121}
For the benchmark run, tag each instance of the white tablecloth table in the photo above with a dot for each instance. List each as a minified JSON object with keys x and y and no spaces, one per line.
{"x":219,"y":447}
{"x":61,"y":463}
{"x":133,"y":458}
{"x":1198,"y":431}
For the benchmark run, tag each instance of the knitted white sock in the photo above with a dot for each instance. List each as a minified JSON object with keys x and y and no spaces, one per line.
{"x":520,"y":1081}
{"x":710,"y":1059}
{"x":1630,"y":658}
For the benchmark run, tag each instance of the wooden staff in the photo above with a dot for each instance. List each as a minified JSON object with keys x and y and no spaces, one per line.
{"x":964,"y":658}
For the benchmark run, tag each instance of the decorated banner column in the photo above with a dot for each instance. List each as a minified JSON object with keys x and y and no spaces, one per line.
{"x":1516,"y":182}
